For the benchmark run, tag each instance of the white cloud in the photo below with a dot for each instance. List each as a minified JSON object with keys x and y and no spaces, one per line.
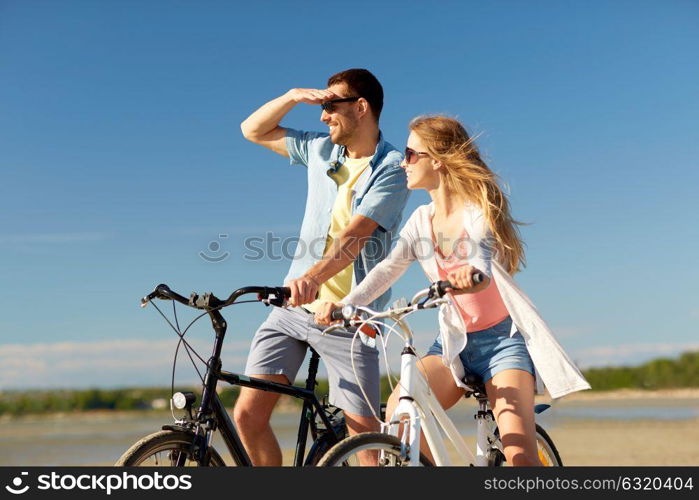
{"x":135,"y":362}
{"x":104,"y":363}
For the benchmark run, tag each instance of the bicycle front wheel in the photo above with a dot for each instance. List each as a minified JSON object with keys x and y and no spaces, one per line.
{"x":548,"y":454}
{"x":383,"y":450}
{"x":166,"y":449}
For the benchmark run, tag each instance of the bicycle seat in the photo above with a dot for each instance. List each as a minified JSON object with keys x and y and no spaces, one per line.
{"x":476,"y":387}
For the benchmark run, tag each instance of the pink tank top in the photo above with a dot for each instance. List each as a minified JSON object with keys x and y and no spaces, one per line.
{"x":479,"y":310}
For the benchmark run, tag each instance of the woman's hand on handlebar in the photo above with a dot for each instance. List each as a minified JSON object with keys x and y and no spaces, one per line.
{"x":463,"y":280}
{"x":323,"y":315}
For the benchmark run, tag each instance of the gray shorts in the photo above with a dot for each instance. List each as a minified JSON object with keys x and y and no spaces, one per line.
{"x":279,"y":348}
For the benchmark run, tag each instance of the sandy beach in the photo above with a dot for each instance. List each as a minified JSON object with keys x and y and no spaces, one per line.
{"x":660,"y":441}
{"x":613,"y":429}
{"x":590,"y":428}
{"x":645,"y":442}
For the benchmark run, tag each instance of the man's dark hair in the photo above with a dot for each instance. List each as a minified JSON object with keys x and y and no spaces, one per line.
{"x":361,"y":83}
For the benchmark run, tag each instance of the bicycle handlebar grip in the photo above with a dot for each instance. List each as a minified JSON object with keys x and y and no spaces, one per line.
{"x":441,"y":286}
{"x":337,"y":315}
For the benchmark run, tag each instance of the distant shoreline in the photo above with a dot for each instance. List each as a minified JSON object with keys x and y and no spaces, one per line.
{"x":581,"y":396}
{"x":679,"y":393}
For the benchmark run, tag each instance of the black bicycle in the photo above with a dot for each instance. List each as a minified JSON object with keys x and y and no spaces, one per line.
{"x":187,"y":442}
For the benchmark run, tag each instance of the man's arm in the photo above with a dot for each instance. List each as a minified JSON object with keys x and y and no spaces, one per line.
{"x":262,"y":127}
{"x":344,"y":250}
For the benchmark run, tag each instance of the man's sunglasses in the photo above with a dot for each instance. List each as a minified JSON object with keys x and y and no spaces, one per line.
{"x":411,"y":156}
{"x":329,"y":106}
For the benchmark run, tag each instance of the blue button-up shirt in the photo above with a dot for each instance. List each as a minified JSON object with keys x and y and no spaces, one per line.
{"x":380,"y":194}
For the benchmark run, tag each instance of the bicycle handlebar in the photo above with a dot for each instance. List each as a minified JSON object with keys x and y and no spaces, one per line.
{"x":274,"y":295}
{"x":436,"y":290}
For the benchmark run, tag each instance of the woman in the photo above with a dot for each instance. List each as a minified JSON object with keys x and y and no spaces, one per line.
{"x":490,"y":329}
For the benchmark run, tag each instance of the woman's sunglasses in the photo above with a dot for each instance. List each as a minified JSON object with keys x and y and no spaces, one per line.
{"x":411,"y":156}
{"x":329,"y":106}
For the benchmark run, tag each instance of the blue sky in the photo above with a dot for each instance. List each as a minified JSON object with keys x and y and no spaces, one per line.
{"x":121,"y":160}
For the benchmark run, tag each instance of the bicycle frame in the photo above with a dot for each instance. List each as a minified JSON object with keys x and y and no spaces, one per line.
{"x":211,"y":414}
{"x":421,"y":408}
{"x":424,"y":413}
{"x":310,"y":403}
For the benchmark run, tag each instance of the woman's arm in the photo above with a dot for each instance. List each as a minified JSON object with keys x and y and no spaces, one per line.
{"x":380,"y":278}
{"x":384,"y":274}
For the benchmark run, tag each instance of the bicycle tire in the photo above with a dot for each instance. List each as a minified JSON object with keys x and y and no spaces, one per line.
{"x":318,"y":450}
{"x":340,"y":454}
{"x":165,"y":441}
{"x":548,"y":453}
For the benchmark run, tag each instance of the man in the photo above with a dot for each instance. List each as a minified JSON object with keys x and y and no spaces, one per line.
{"x":356,"y":192}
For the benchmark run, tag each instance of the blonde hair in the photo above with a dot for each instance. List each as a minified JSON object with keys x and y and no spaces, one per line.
{"x":466,"y":175}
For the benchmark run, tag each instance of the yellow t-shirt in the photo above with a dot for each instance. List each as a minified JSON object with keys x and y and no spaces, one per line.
{"x":337,"y":287}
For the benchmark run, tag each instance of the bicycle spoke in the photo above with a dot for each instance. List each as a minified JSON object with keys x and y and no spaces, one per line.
{"x":357,"y":450}
{"x":167,"y":449}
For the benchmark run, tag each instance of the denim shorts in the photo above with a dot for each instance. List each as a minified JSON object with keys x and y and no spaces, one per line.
{"x":491,"y":351}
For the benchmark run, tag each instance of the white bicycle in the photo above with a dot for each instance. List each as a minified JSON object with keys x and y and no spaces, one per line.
{"x":418,"y":410}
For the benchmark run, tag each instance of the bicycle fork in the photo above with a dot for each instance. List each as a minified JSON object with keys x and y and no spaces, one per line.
{"x":406,"y":413}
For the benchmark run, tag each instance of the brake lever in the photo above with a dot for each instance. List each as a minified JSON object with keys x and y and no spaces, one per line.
{"x":274,"y":300}
{"x":431,"y":302}
{"x":423,"y":302}
{"x":330,"y":329}
{"x":275,"y":296}
{"x":345,"y":324}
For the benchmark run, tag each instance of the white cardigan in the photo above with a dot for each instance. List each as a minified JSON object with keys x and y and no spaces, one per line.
{"x":554,"y":369}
